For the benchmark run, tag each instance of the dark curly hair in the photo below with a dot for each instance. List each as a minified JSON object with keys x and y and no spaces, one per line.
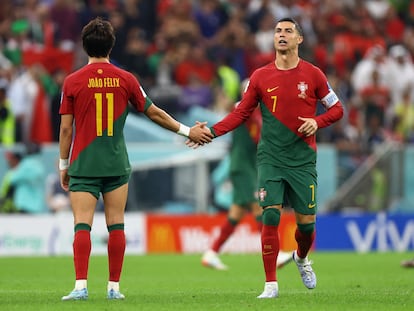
{"x":98,"y":38}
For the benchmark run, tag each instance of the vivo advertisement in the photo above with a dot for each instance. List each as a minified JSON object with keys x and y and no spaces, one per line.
{"x":364,"y":233}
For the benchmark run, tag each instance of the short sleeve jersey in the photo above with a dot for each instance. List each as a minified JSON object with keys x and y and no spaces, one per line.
{"x":283,"y":96}
{"x":98,"y":96}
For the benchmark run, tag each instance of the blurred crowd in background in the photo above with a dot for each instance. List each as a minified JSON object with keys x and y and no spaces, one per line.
{"x":195,"y":53}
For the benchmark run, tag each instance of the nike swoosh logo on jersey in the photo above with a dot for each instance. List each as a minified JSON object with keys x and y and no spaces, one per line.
{"x":272,"y":89}
{"x":311,"y":205}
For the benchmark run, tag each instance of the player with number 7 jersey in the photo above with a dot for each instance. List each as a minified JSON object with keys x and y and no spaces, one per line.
{"x":288,"y":91}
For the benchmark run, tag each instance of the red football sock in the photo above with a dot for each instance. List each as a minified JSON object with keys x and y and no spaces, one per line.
{"x":225,"y":231}
{"x":81,"y":253}
{"x":270,"y":250}
{"x":304,"y":241}
{"x":116,"y":252}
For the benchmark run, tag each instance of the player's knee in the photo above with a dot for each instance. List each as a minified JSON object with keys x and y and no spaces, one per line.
{"x":271,"y":217}
{"x":306,"y":228}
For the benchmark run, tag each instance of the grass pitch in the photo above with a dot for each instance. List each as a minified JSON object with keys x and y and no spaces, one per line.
{"x":346,"y":281}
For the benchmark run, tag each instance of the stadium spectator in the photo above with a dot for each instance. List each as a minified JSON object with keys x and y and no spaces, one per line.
{"x":27,"y":178}
{"x":42,"y":28}
{"x":135,"y":55}
{"x":375,"y":98}
{"x":377,"y":8}
{"x":195,"y":93}
{"x":99,"y":161}
{"x":210,"y":16}
{"x":196,"y":64}
{"x":7,"y":204}
{"x":65,"y":17}
{"x":394,"y":27}
{"x":374,"y":133}
{"x":374,"y":59}
{"x":288,"y":90}
{"x":118,"y":20}
{"x":227,"y":87}
{"x":24,"y":89}
{"x":7,"y":121}
{"x":400,"y":75}
{"x":177,"y":22}
{"x":403,"y":122}
{"x":58,"y":76}
{"x":264,"y":35}
{"x":234,"y":42}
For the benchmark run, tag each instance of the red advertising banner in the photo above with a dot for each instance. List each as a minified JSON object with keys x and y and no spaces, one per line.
{"x":195,"y":233}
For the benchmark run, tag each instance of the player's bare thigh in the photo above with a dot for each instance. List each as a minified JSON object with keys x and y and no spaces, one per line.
{"x":83,"y":206}
{"x":115,"y":203}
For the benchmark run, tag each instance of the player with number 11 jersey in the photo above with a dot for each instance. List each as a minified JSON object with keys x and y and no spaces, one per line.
{"x":98,"y":95}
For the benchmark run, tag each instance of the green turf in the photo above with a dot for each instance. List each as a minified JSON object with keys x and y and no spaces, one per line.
{"x":346,"y":281}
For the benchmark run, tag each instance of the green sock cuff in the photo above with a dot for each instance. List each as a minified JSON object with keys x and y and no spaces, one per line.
{"x":271,"y":216}
{"x":259,"y":218}
{"x":82,"y":226}
{"x":306,"y":228}
{"x":116,"y":227}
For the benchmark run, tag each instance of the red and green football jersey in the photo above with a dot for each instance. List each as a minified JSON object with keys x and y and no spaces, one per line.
{"x":283,"y":96}
{"x":97,"y":95}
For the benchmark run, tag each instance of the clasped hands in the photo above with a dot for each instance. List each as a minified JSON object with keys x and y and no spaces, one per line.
{"x":200,"y":134}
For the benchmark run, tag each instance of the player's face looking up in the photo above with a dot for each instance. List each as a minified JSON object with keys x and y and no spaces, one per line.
{"x":286,"y":37}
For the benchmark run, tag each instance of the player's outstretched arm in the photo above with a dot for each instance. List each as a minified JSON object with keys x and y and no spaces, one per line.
{"x":199,"y":133}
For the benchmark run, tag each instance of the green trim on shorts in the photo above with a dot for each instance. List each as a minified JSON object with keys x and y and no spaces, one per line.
{"x":116,"y":227}
{"x":82,"y":226}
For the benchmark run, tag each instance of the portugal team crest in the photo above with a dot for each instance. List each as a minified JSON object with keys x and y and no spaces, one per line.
{"x":262,"y":194}
{"x":302,"y":87}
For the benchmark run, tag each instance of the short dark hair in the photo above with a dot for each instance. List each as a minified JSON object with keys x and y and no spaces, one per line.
{"x":293,"y":21}
{"x":98,"y":38}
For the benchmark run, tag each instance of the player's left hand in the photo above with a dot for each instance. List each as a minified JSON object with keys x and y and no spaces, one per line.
{"x":64,"y":180}
{"x":309,"y":126}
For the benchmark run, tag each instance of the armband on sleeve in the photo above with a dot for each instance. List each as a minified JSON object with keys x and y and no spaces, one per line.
{"x":330,"y":99}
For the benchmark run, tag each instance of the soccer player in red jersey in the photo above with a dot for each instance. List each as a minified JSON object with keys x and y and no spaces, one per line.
{"x":93,"y":155}
{"x":288,"y":91}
